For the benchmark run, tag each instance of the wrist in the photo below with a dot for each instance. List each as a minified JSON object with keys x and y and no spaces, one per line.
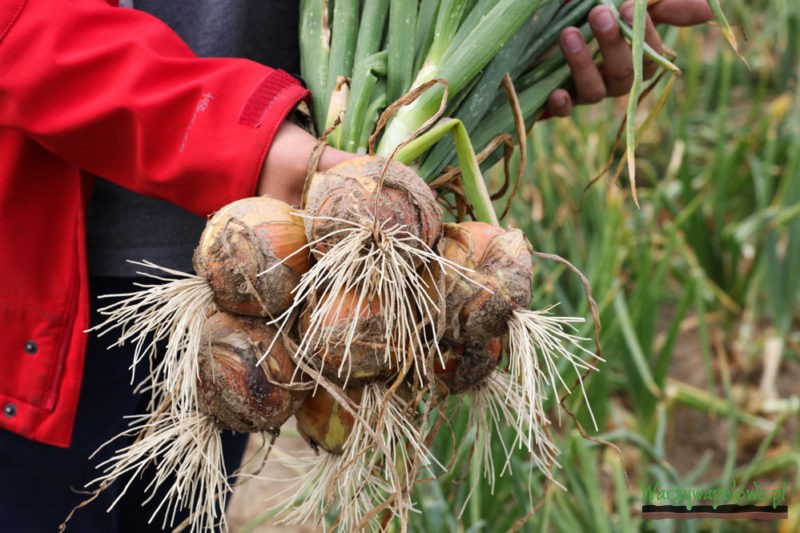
{"x":284,"y":170}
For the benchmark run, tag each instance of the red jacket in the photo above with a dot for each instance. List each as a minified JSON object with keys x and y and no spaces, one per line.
{"x":88,"y":88}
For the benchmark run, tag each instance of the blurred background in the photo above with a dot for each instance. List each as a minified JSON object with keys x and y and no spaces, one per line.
{"x":698,"y":292}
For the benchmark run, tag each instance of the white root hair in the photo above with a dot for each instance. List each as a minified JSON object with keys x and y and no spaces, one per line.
{"x":495,"y":405}
{"x":185,"y":453}
{"x":348,"y":486}
{"x":171,"y":310}
{"x":368,"y":473}
{"x":375,"y":264}
{"x":400,"y":449}
{"x":537,"y":343}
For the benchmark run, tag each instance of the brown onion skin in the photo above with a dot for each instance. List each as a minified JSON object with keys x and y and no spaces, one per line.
{"x":507,"y":259}
{"x":467,"y":366}
{"x":366,"y":360}
{"x":324,"y":423}
{"x":251,"y":254}
{"x":233,"y":388}
{"x":348,"y":192}
{"x":480,"y":303}
{"x":474,"y":235}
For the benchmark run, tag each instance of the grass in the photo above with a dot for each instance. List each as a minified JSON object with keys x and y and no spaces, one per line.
{"x":698,"y":294}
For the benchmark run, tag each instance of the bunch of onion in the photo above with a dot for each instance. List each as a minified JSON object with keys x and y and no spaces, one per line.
{"x":223,"y":366}
{"x":360,"y":291}
{"x":368,"y":315}
{"x":488,"y":313}
{"x":249,"y":260}
{"x":372,"y":304}
{"x":351,"y":266}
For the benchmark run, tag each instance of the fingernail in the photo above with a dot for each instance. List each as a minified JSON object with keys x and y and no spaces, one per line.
{"x":573,"y":42}
{"x":603,"y":21}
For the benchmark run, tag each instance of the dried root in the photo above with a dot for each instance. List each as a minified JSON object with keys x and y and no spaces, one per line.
{"x":172,"y":311}
{"x":183,"y":454}
{"x":537,"y":341}
{"x":363,"y":463}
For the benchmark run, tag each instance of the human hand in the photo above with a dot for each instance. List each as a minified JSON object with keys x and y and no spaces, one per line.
{"x":615,"y":76}
{"x":284,"y":172}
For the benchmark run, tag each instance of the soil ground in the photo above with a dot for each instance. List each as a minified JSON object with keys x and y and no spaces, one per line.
{"x":251,"y":499}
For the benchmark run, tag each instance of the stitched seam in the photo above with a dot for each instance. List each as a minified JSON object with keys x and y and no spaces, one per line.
{"x":263,"y":98}
{"x":13,"y":306}
{"x":12,"y":20}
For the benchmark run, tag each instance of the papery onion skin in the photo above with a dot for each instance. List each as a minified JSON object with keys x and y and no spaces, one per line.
{"x":360,"y":359}
{"x":481,"y":299}
{"x":252,"y":255}
{"x":346,"y":195}
{"x":480,"y":302}
{"x":324,"y":423}
{"x":240,"y":394}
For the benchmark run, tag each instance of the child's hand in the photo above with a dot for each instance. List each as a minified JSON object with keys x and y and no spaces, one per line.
{"x":615,"y":76}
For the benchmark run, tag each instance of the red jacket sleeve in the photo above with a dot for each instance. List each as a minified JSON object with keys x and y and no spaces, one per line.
{"x":117,"y":93}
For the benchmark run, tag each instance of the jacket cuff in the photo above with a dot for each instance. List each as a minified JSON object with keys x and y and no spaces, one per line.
{"x":272,"y":101}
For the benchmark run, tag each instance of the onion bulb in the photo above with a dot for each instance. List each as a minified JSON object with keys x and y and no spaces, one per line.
{"x":349,"y":340}
{"x":324,"y":423}
{"x":480,"y":303}
{"x":359,"y":192}
{"x":372,"y":226}
{"x":239,"y":392}
{"x":252,"y":254}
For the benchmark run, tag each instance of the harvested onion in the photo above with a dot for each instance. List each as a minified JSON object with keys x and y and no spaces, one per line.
{"x":358,"y":192}
{"x":349,"y":339}
{"x":252,"y":254}
{"x":324,"y":423}
{"x":479,"y":303}
{"x":241,"y":393}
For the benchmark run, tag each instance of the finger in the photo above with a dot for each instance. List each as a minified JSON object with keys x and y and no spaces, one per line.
{"x":617,"y":60}
{"x":560,"y":103}
{"x":651,"y":37}
{"x":589,"y":84}
{"x":681,"y":12}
